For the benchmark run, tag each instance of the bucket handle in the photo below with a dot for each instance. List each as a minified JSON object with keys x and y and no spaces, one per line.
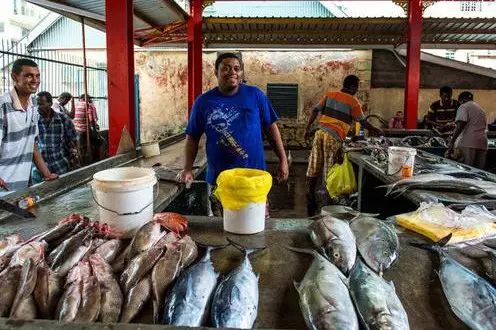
{"x":407,"y":158}
{"x":155,"y":193}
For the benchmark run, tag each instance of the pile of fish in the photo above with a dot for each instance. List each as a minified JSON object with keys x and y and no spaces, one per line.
{"x":471,"y":297}
{"x":424,"y":142}
{"x":81,"y":271}
{"x":343,"y":286}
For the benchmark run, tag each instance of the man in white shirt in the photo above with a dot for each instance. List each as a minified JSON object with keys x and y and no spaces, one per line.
{"x":60,"y":104}
{"x":470,"y":136}
{"x":19,"y":129}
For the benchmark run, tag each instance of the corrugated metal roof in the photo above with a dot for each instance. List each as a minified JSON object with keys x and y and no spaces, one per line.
{"x":267,"y":9}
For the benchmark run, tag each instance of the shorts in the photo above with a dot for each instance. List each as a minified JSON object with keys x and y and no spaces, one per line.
{"x":322,"y":157}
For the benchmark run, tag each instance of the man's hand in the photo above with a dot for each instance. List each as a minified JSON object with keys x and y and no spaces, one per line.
{"x":449,"y":151}
{"x":51,"y":176}
{"x":282,"y":171}
{"x":3,"y":184}
{"x":185,"y":176}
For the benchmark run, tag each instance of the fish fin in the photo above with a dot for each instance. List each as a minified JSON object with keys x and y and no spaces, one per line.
{"x":299,"y":250}
{"x":247,"y":251}
{"x":391,"y":284}
{"x":211,"y":246}
{"x":296,"y":285}
{"x":443,"y":241}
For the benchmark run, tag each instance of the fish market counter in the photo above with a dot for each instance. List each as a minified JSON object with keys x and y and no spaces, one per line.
{"x":371,"y":175}
{"x":414,"y":278}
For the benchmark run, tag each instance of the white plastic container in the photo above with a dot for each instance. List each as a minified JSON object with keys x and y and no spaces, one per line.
{"x":150,"y":149}
{"x":401,"y":161}
{"x":124,"y":197}
{"x":247,"y":220}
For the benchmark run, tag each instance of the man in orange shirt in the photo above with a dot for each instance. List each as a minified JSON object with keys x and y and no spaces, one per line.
{"x":337,"y":111}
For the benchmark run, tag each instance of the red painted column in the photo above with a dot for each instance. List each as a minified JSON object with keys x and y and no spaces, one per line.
{"x":195,"y":38}
{"x":120,"y":70}
{"x":412,"y":78}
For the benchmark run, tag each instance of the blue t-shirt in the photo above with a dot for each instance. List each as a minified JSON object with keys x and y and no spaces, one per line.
{"x":233,"y":126}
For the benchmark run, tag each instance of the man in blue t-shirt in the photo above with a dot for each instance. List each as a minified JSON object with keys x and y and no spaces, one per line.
{"x":233,"y":117}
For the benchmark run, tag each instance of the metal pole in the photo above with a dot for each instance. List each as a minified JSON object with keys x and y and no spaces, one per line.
{"x":85,"y":87}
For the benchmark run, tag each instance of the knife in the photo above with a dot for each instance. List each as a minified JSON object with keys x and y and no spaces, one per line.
{"x":16,"y":210}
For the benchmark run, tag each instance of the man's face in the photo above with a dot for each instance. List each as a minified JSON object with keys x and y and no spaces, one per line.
{"x":446,"y":97}
{"x":28,"y":80}
{"x":63,"y":100}
{"x":229,"y":74}
{"x":43,"y":104}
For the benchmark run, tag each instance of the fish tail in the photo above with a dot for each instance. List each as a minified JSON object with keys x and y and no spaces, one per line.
{"x":210,"y":248}
{"x":246,"y":250}
{"x":389,"y":188}
{"x":436,"y":247}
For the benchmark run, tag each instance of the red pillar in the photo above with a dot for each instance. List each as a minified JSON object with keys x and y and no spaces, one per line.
{"x":195,"y":37}
{"x":120,"y":70}
{"x":412,"y":79}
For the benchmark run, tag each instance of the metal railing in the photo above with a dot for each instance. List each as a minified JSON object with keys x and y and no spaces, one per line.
{"x":60,"y":72}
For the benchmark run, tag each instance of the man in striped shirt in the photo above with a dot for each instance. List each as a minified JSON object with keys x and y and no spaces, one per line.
{"x":338,"y":110}
{"x":19,"y":128}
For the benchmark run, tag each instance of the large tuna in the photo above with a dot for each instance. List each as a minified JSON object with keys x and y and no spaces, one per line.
{"x":324,"y":297}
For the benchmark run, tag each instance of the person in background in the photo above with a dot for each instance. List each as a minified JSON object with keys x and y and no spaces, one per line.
{"x":442,"y":113}
{"x":233,"y":117}
{"x":19,"y":129}
{"x":60,"y":105}
{"x":337,"y":111}
{"x":396,"y":121}
{"x":470,"y":137}
{"x":57,"y":139}
{"x":82,"y":125}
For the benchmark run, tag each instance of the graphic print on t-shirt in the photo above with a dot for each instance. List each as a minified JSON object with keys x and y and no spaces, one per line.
{"x":220,"y":120}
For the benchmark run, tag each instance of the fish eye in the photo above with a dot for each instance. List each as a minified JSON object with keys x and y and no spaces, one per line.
{"x":336,"y":255}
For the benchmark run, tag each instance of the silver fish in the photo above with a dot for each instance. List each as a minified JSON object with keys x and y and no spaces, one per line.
{"x":189,"y":251}
{"x":335,"y":238}
{"x":144,"y":238}
{"x":89,"y":309}
{"x":23,"y":306}
{"x":377,"y":242}
{"x":69,"y":303}
{"x":33,"y":250}
{"x":324,"y":297}
{"x":47,"y":290}
{"x":471,"y":297}
{"x":73,"y":258}
{"x":111,"y":295}
{"x":67,"y":247}
{"x":235,"y":302}
{"x":9,"y":282}
{"x":187,"y":303}
{"x":110,"y":249}
{"x":136,"y":298}
{"x":376,"y":300}
{"x":138,"y":267}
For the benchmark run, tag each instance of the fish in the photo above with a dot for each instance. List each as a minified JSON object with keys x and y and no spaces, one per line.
{"x":89,"y":308}
{"x":343,"y":212}
{"x":110,"y":249}
{"x":439,"y":182}
{"x":471,"y":297}
{"x":120,"y":261}
{"x":376,"y":300}
{"x":8,"y":250}
{"x":69,"y":303}
{"x":188,"y":301}
{"x":32,"y":250}
{"x":111,"y":295}
{"x":47,"y":290}
{"x":235,"y":301}
{"x":172,"y":221}
{"x":9,"y":282}
{"x":164,"y":272}
{"x":136,"y":298}
{"x":23,"y":306}
{"x":67,"y":247}
{"x":138,"y":267}
{"x":325,"y":301}
{"x":335,"y":238}
{"x":57,"y":232}
{"x":72,"y":259}
{"x":144,"y":239}
{"x":377,"y":243}
{"x":189,"y":251}
{"x":165,"y":239}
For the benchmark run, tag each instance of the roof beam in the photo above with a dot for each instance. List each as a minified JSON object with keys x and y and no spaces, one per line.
{"x":293,"y":20}
{"x":143,"y":19}
{"x":57,"y":6}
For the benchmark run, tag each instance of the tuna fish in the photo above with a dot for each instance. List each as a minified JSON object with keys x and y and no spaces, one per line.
{"x":111,"y":295}
{"x":188,"y":301}
{"x":471,"y":297}
{"x":376,"y":300}
{"x":377,"y":243}
{"x":235,"y":302}
{"x":335,"y":238}
{"x":47,"y":290}
{"x":324,"y":297}
{"x":163,"y":273}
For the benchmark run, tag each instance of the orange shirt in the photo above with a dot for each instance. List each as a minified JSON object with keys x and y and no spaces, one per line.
{"x":338,"y":110}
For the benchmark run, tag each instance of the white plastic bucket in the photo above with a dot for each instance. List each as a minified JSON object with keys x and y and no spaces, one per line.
{"x":401,"y":161}
{"x":124,"y":196}
{"x":247,"y":220}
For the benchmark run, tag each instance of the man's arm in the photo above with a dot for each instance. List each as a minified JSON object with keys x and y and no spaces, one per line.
{"x":275,"y":140}
{"x":460,"y":125}
{"x":190,"y":152}
{"x":41,"y":165}
{"x":312,"y":118}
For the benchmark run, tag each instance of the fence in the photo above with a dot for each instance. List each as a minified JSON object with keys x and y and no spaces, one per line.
{"x":60,"y":72}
